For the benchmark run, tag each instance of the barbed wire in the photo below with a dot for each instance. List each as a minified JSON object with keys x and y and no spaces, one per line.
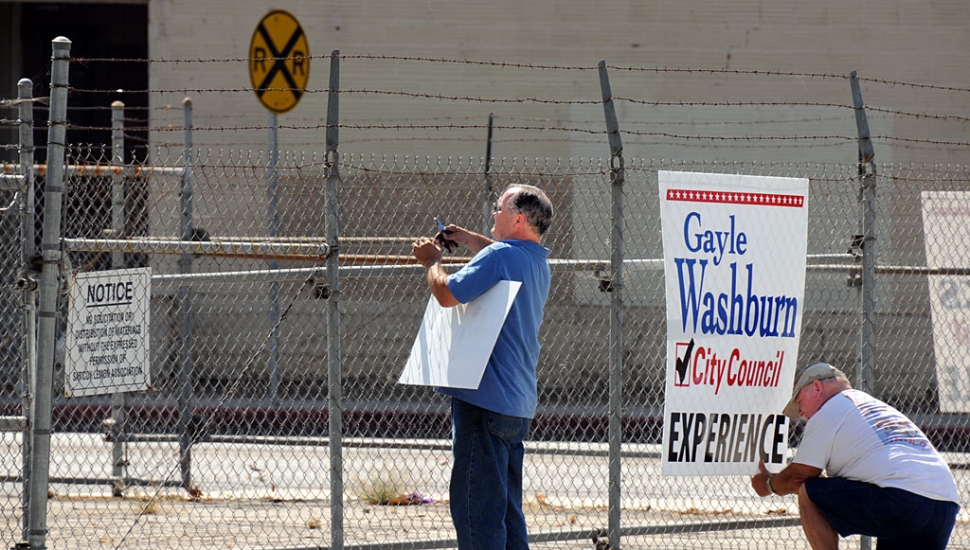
{"x":229,"y":116}
{"x":641,"y":131}
{"x":953,"y":118}
{"x":10,"y":103}
{"x":415,"y":95}
{"x":427,"y":139}
{"x":504,"y":118}
{"x":418,"y":123}
{"x":529,"y":128}
{"x":793,"y":140}
{"x":423,"y":139}
{"x":473,"y":99}
{"x":351,"y":126}
{"x":888,"y":169}
{"x":752,"y":145}
{"x":543,"y":67}
{"x":535,"y":100}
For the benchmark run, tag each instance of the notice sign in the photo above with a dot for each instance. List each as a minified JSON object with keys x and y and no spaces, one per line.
{"x":107,"y":332}
{"x":734,"y":264}
{"x":946,"y":226}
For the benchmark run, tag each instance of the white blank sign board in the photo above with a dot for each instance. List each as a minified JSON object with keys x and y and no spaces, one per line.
{"x":454,"y":343}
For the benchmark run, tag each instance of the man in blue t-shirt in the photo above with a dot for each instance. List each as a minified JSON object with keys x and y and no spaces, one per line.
{"x":490,"y":423}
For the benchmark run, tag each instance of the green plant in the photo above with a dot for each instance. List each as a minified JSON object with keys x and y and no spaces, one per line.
{"x":382,"y":487}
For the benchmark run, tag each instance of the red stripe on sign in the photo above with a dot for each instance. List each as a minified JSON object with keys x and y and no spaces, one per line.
{"x":733,"y":197}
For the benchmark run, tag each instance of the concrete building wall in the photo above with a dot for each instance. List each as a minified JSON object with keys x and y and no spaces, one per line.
{"x":898,"y":41}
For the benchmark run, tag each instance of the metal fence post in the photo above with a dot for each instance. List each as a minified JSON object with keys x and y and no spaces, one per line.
{"x":40,"y":417}
{"x":184,"y":377}
{"x":118,"y":412}
{"x":334,"y":366}
{"x":616,"y":307}
{"x":117,"y":179}
{"x":867,"y":198}
{"x":273,"y":232}
{"x":488,"y":194}
{"x":25,"y":92}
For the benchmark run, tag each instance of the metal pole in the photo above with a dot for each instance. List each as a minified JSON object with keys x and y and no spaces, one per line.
{"x":274,"y":286}
{"x":117,"y":179}
{"x":616,"y":307}
{"x":40,"y":417}
{"x":118,"y":411}
{"x":185,"y":306}
{"x":867,"y":197}
{"x":334,"y":366}
{"x":25,"y":92}
{"x":488,"y":194}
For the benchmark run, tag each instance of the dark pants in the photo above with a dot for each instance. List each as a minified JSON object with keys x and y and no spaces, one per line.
{"x":486,"y":480}
{"x":897,"y":518}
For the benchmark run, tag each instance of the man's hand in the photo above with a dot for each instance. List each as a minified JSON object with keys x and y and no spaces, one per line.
{"x":426,"y":251}
{"x":759,"y":481}
{"x":785,"y":482}
{"x":469,"y":239}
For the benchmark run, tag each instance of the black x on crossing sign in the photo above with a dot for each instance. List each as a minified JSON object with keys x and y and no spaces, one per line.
{"x":279,"y":61}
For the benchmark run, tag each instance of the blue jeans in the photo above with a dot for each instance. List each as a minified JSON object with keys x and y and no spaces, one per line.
{"x":486,"y":479}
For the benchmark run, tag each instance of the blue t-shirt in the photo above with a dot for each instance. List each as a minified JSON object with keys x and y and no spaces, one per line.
{"x":509,"y":383}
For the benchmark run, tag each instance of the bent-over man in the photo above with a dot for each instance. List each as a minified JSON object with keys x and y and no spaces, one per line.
{"x":883,"y":479}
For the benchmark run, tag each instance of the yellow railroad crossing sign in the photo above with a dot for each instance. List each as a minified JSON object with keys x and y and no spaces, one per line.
{"x":279,"y":61}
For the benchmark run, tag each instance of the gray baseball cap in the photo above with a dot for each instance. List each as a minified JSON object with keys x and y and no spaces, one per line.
{"x":811,"y":373}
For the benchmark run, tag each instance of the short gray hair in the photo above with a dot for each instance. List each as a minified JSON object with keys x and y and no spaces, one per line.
{"x":533,"y":203}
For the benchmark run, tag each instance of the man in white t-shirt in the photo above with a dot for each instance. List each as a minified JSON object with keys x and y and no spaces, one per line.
{"x":883,"y":478}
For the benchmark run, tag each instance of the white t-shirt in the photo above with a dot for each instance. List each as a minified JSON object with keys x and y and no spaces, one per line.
{"x":856,"y":436}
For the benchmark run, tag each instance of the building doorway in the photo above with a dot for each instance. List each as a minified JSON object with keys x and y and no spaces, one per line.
{"x":96,"y":31}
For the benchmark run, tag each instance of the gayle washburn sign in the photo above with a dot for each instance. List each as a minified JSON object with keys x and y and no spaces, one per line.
{"x":107,"y":333}
{"x":734,"y":264}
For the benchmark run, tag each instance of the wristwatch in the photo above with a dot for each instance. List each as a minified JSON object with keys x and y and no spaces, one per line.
{"x":768,"y":485}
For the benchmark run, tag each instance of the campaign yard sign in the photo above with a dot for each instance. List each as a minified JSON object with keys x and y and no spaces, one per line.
{"x":946,"y":226}
{"x":454,"y":343}
{"x":734,"y":264}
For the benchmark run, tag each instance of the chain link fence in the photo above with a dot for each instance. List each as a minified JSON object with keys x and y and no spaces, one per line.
{"x":12,"y":351}
{"x":233,"y":444}
{"x":256,"y":470}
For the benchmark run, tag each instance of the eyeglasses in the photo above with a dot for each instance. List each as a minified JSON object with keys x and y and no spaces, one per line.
{"x":497,"y":208}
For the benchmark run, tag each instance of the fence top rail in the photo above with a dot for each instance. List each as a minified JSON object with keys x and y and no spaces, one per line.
{"x":354,"y":265}
{"x":99,"y":169}
{"x":250,"y":249}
